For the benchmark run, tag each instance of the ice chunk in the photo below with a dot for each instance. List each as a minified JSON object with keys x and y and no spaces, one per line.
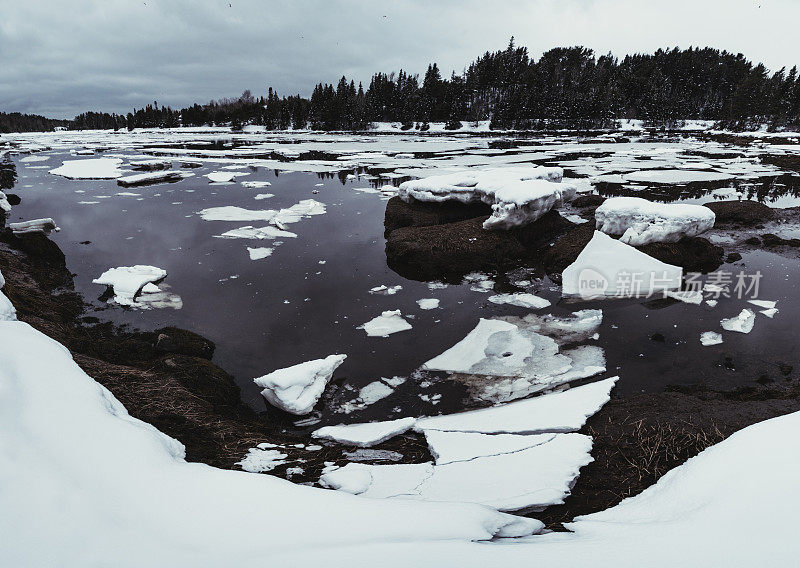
{"x":259,"y":252}
{"x":710,"y":338}
{"x":428,"y":303}
{"x":94,"y":168}
{"x":365,"y":435}
{"x":297,"y":389}
{"x":233,"y":213}
{"x":770,"y":313}
{"x":43,"y":226}
{"x":640,"y":221}
{"x":255,"y":184}
{"x":518,"y":195}
{"x":565,"y":411}
{"x":390,"y":321}
{"x":260,"y":233}
{"x":743,"y":323}
{"x":607,"y":267}
{"x":766,"y":304}
{"x":224,"y":177}
{"x":350,"y":479}
{"x":151,"y":178}
{"x":384,"y":290}
{"x":521,"y":299}
{"x":127,"y":281}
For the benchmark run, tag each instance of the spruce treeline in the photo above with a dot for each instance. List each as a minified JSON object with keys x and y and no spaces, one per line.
{"x":18,"y":122}
{"x":567,"y":87}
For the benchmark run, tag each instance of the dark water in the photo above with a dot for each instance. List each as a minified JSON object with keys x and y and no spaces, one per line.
{"x":289,"y":308}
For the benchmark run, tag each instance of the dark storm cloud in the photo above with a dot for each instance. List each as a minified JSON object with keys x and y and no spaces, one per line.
{"x":61,"y":58}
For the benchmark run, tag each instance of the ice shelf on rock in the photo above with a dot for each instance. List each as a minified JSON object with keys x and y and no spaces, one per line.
{"x":743,"y":323}
{"x":297,"y":389}
{"x":564,"y":411}
{"x":127,"y":281}
{"x":44,"y":226}
{"x":428,"y":303}
{"x":521,"y":299}
{"x":640,"y":221}
{"x":7,"y":310}
{"x":517,"y":195}
{"x":608,"y":267}
{"x":93,"y":168}
{"x":389,"y":322}
{"x":151,"y":178}
{"x":710,"y":338}
{"x":364,"y":435}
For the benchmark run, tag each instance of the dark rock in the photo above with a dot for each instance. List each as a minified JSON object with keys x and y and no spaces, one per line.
{"x":694,"y":254}
{"x":771,"y":240}
{"x":421,"y":214}
{"x":733,"y":257}
{"x":590,"y":200}
{"x":542,"y":231}
{"x":567,"y":248}
{"x":785,"y":369}
{"x":740,"y":212}
{"x":13,"y":199}
{"x":183,"y":342}
{"x":204,"y":379}
{"x":755,"y":241}
{"x":659,"y":337}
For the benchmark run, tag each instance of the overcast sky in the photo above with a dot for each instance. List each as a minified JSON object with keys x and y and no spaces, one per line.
{"x":60,"y":58}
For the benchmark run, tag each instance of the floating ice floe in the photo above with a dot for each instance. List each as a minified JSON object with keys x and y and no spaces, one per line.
{"x":224,"y":177}
{"x":384,"y":290}
{"x":93,"y":168}
{"x":259,"y":233}
{"x":565,"y":411}
{"x":640,"y":221}
{"x":258,"y":253}
{"x":255,"y":184}
{"x":151,"y":178}
{"x":517,"y":195}
{"x":371,"y":393}
{"x":710,"y":338}
{"x":297,"y":389}
{"x":44,"y":226}
{"x":521,"y":299}
{"x":389,"y":322}
{"x":743,"y":323}
{"x":608,"y":267}
{"x":770,"y":313}
{"x":233,"y":213}
{"x":766,"y":304}
{"x":127,"y":281}
{"x":262,"y":196}
{"x":428,"y":303}
{"x":365,"y":435}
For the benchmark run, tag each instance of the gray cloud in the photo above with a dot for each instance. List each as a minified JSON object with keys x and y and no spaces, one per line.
{"x":61,"y":58}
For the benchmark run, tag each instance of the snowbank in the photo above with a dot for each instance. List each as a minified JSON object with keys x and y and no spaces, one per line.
{"x":76,"y":466}
{"x":297,"y":389}
{"x":518,"y":195}
{"x":640,"y":221}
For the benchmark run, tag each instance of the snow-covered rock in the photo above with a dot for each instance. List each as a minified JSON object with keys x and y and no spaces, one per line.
{"x":127,"y":281}
{"x":44,"y":226}
{"x":743,"y":323}
{"x":297,"y":389}
{"x":151,"y":165}
{"x":640,"y":221}
{"x":364,"y":435}
{"x":608,"y":267}
{"x":565,"y":411}
{"x":521,"y":299}
{"x":389,"y":322}
{"x":93,"y":168}
{"x":517,"y":195}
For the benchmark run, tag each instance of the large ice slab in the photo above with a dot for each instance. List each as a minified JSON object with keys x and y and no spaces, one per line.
{"x":565,"y":411}
{"x":608,"y":267}
{"x":447,"y":447}
{"x":92,"y":168}
{"x":297,"y":389}
{"x":127,"y":281}
{"x":517,"y":195}
{"x":640,"y":221}
{"x":364,"y":435}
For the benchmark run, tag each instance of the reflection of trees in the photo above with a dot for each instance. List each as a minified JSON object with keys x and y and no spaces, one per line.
{"x":8,"y":174}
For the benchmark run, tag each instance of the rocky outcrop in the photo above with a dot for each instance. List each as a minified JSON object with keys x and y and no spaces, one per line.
{"x":745,"y":213}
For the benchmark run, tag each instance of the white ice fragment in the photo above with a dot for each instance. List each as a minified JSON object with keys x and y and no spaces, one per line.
{"x":770,"y":312}
{"x":688,"y":296}
{"x":384,"y":290}
{"x":258,"y":253}
{"x":95,"y":168}
{"x":297,"y":389}
{"x":640,"y":221}
{"x":260,"y":460}
{"x":365,"y":435}
{"x":521,"y":299}
{"x":743,"y":323}
{"x":604,"y":264}
{"x":255,"y":184}
{"x":223,"y":177}
{"x":233,"y":213}
{"x":428,"y":303}
{"x":390,"y":321}
{"x":127,"y":281}
{"x":7,"y":310}
{"x":710,"y":338}
{"x":766,"y":304}
{"x":150,"y":178}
